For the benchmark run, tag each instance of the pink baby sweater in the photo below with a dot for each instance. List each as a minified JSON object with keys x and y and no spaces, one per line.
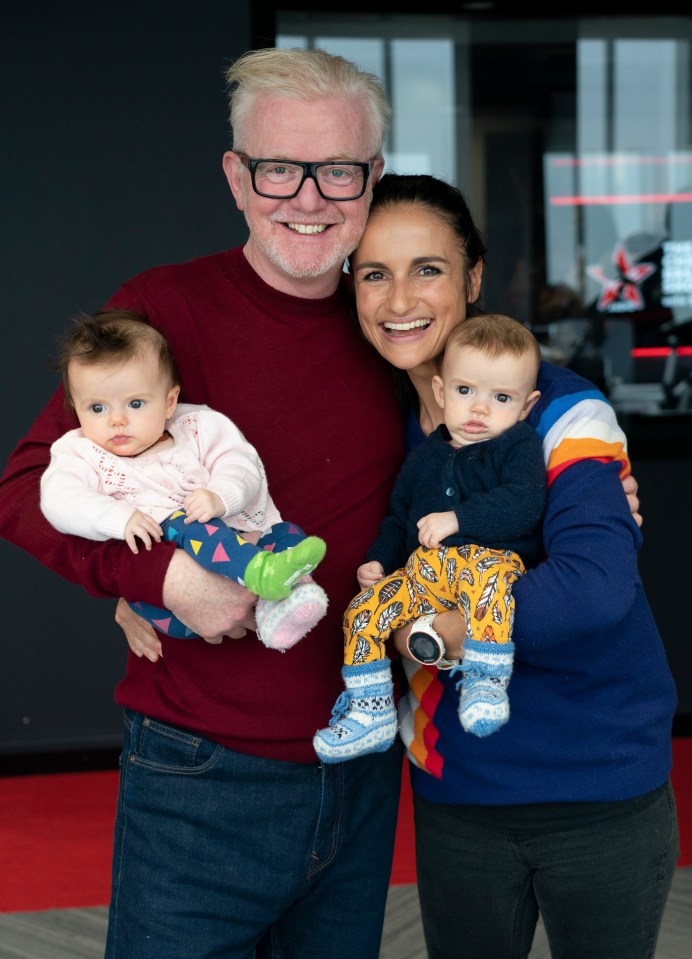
{"x":90,"y":492}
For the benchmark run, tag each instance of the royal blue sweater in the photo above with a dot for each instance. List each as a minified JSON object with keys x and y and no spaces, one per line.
{"x":591,"y":698}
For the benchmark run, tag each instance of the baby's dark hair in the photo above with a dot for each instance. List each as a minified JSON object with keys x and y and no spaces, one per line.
{"x":111,"y":338}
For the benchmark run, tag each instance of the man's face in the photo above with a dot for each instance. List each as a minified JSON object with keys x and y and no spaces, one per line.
{"x":299,"y":245}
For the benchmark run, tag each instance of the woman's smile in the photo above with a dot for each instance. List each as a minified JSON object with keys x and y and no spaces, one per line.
{"x":410,"y":282}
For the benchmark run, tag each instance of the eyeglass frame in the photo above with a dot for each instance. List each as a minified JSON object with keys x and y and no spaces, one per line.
{"x":309,"y":173}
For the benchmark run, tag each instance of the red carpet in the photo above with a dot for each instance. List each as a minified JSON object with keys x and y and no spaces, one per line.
{"x":56,"y":833}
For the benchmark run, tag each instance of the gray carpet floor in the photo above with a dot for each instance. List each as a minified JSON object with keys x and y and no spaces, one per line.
{"x":80,"y":933}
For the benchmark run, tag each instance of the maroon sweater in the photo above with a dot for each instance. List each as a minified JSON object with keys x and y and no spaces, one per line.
{"x":316,"y":401}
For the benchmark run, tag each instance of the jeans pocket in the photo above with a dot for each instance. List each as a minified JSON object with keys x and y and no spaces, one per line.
{"x":165,"y":748}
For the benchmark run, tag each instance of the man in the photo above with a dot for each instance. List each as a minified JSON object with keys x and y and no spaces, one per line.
{"x":230,"y":840}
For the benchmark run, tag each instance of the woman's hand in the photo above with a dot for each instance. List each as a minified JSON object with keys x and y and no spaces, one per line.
{"x":450,"y":625}
{"x":630,"y":486}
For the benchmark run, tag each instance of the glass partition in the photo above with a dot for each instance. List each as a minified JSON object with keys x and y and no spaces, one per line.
{"x":571,"y":139}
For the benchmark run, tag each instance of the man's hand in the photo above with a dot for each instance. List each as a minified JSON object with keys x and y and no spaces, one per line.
{"x":435,"y":527}
{"x":140,"y":635}
{"x":220,"y":608}
{"x":211,"y":605}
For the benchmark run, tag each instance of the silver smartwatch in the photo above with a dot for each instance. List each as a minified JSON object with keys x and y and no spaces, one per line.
{"x":426,"y":645}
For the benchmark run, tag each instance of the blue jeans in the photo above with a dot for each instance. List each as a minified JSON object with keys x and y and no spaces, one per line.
{"x":219,"y":854}
{"x":598,"y":873}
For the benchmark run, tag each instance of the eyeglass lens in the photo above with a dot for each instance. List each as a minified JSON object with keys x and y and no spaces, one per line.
{"x":336,"y":181}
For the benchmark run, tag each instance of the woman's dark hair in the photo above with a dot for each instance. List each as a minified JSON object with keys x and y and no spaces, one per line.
{"x":441,"y":198}
{"x":450,"y":205}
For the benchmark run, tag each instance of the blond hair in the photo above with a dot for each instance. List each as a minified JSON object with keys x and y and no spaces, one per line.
{"x":307,"y":75}
{"x":496,"y":335}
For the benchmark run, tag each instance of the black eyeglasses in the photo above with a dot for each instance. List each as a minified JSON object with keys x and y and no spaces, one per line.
{"x":283,"y":179}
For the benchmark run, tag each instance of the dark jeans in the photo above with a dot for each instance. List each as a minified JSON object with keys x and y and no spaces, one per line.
{"x":598,"y":874}
{"x":223,"y":855}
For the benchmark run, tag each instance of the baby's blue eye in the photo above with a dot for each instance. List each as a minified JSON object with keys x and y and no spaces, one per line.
{"x":137,"y":404}
{"x":97,"y":407}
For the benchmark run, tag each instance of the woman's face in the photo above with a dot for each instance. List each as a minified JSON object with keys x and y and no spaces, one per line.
{"x":410,"y":283}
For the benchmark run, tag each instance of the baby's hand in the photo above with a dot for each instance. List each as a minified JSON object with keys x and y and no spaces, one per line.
{"x":369,"y":573}
{"x":202,"y":505}
{"x":142,"y":526}
{"x":434,"y":527}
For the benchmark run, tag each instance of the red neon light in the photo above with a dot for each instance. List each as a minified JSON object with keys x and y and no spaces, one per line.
{"x":647,"y":352}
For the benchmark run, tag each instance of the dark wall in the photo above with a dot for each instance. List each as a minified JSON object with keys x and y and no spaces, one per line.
{"x":114,"y":123}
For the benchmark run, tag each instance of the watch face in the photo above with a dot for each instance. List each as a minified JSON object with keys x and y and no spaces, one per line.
{"x":424,"y":648}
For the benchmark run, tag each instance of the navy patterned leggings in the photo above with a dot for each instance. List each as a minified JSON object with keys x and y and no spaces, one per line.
{"x":219,"y":549}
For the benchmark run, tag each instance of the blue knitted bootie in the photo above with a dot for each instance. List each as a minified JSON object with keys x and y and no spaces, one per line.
{"x":364,"y":716}
{"x":487,"y":669}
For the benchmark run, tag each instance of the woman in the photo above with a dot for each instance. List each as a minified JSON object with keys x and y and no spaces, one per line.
{"x":567,"y":809}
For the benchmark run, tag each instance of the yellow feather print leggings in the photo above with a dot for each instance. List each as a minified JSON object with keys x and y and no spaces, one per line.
{"x":476,"y":580}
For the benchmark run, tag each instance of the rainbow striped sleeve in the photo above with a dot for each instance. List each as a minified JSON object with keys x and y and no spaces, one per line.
{"x":579,"y":426}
